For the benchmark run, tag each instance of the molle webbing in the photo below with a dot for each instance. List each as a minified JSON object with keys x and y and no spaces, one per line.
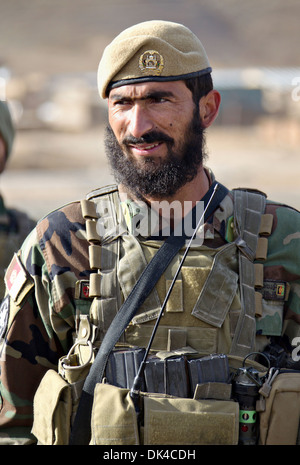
{"x":261,"y":254}
{"x":103,"y":251}
{"x":112,"y":269}
{"x":248,"y":210}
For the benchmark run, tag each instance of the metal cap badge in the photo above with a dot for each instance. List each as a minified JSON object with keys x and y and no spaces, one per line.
{"x":151,"y":62}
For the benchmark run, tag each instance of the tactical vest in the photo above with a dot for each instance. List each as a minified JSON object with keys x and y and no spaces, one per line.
{"x":214,"y":303}
{"x":213,"y":309}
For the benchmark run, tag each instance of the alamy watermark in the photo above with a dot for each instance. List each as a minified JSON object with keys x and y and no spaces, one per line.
{"x":160,"y":219}
{"x":296,"y":90}
{"x":296,"y":350}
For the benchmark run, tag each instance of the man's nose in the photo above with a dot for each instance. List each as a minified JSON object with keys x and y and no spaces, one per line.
{"x":140,"y":121}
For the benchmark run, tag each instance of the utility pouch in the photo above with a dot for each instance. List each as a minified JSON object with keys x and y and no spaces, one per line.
{"x":177,"y":421}
{"x":56,"y":401}
{"x":114,"y":419}
{"x":52,"y":410}
{"x":166,"y":420}
{"x":279,"y":420}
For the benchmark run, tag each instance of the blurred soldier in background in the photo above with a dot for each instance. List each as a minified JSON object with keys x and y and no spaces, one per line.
{"x":14,"y":225}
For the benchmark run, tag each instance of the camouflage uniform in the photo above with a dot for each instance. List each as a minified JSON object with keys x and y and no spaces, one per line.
{"x":14,"y":228}
{"x":42,"y":305}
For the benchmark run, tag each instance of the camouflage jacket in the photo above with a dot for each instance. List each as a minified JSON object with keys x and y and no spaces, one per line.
{"x":38,"y":314}
{"x":14,"y":228}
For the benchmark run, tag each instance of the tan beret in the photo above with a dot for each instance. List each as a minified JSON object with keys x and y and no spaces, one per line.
{"x":151,"y":51}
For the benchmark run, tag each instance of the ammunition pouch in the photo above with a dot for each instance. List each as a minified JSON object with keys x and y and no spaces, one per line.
{"x":211,"y":416}
{"x":166,"y":419}
{"x":114,"y":421}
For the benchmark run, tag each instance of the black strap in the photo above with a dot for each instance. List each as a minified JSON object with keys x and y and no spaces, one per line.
{"x":81,"y":430}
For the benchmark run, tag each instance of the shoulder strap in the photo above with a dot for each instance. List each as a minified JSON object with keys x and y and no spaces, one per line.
{"x":102,"y":190}
{"x":81,"y":432}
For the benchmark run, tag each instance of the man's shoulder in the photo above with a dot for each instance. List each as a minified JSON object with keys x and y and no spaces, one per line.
{"x":71,"y":210}
{"x":102,"y":191}
{"x":286,"y":223}
{"x":272,"y":206}
{"x":283,"y":212}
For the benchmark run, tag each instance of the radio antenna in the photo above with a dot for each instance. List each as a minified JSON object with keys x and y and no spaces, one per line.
{"x":134,"y":392}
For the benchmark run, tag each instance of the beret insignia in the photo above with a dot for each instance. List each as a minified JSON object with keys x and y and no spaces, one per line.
{"x":151,"y":62}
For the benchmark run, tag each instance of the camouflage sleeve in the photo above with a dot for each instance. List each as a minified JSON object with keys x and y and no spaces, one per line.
{"x":283,"y":263}
{"x":37,"y":319}
{"x":28,"y":347}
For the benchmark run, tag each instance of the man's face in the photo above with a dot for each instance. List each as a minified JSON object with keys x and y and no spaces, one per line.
{"x":155,"y":139}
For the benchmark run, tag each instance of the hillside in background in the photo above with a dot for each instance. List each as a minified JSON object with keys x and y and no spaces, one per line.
{"x":69,"y":35}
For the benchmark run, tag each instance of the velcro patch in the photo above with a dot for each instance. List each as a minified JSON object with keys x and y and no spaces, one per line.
{"x":15,"y":277}
{"x":274,"y":290}
{"x":4,"y":314}
{"x":145,"y":317}
{"x":82,"y":289}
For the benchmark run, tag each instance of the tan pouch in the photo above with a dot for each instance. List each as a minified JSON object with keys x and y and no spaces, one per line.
{"x":52,"y":408}
{"x":279,"y":422}
{"x":56,"y":400}
{"x":190,"y":422}
{"x":167,"y":420}
{"x":114,"y":420}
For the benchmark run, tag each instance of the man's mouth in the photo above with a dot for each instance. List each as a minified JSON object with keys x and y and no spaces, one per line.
{"x":144,"y":148}
{"x":149,"y":144}
{"x":148,"y":147}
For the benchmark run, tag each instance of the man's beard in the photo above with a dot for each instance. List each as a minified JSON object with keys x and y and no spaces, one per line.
{"x":152,"y":178}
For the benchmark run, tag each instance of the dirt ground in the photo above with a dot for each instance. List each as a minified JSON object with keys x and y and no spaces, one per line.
{"x":48,"y":169}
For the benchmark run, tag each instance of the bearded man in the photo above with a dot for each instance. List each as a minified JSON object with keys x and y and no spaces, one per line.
{"x":235,"y":293}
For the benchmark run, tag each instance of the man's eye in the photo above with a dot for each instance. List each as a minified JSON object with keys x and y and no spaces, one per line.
{"x":159,"y":100}
{"x":122,"y":102}
{"x":119,"y":102}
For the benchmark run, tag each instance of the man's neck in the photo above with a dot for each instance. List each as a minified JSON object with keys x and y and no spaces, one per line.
{"x":186,"y":198}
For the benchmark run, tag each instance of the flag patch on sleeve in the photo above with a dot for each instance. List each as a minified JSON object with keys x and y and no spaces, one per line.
{"x":15,"y":277}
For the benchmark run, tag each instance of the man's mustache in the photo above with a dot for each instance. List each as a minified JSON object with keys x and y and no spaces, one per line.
{"x":149,"y":137}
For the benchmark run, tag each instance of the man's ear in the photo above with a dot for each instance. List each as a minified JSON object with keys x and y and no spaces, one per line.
{"x":209,"y":107}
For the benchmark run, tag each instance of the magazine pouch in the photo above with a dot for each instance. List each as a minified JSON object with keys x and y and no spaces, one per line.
{"x":114,"y":419}
{"x":166,"y":419}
